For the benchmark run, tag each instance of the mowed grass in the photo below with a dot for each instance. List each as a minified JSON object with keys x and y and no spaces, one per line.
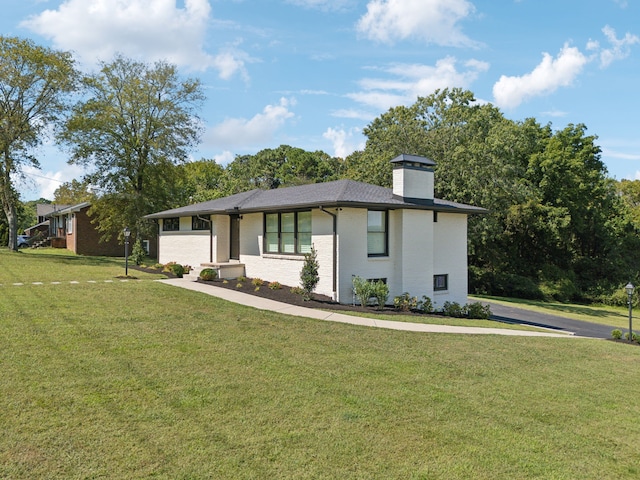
{"x":602,"y":314}
{"x":144,"y":380}
{"x":52,"y":265}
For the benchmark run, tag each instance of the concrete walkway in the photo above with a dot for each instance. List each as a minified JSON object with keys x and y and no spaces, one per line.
{"x":266,"y":304}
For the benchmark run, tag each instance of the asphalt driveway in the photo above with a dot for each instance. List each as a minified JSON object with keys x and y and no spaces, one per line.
{"x":508,"y":314}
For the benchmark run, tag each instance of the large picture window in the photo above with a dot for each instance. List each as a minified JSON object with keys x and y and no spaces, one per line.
{"x":171,"y":224}
{"x":377,"y":238}
{"x":287,"y":232}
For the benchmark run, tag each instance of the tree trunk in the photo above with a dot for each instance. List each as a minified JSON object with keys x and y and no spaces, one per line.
{"x":8,"y":201}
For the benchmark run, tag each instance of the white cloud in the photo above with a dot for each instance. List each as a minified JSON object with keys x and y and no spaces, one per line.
{"x":344,"y":142}
{"x":224,"y":158}
{"x":433,"y":21}
{"x":547,"y":77}
{"x":326,"y":5}
{"x":354,"y":114}
{"x":145,"y":29}
{"x":620,"y":48}
{"x":240,"y":132}
{"x":408,"y":81}
{"x":41,"y":184}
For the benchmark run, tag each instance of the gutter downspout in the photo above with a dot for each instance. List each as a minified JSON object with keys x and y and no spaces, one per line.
{"x":335,"y":251}
{"x":210,"y":222}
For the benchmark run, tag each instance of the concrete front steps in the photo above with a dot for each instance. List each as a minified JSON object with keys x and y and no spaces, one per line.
{"x":225,"y":270}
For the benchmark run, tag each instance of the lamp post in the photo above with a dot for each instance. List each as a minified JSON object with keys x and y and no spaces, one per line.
{"x":630,"y":288}
{"x":127,"y":233}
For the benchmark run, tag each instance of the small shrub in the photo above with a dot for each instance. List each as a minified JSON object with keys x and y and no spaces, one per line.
{"x":208,"y":274}
{"x":241,"y":279}
{"x":275,"y":286}
{"x":478,"y":311}
{"x":309,"y":277}
{"x":363,"y":289}
{"x":616,"y":334}
{"x":257,"y":282}
{"x":634,"y":336}
{"x":297,"y":290}
{"x":381,"y":293}
{"x":256,"y":289}
{"x":225,"y":281}
{"x":137,"y":252}
{"x":239,"y":285}
{"x":158,"y":266}
{"x":175,"y":268}
{"x":453,"y":309}
{"x":405,"y":302}
{"x":425,"y":305}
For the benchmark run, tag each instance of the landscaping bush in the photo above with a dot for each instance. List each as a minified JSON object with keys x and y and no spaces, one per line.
{"x":425,"y":305}
{"x":616,"y":334}
{"x":380,"y":291}
{"x":275,"y":286}
{"x":363,"y":289}
{"x":208,"y":274}
{"x":257,"y":282}
{"x":137,"y":253}
{"x":309,"y":277}
{"x":454,"y":309}
{"x":175,"y":268}
{"x":405,"y":302}
{"x":297,"y":290}
{"x":478,"y":311}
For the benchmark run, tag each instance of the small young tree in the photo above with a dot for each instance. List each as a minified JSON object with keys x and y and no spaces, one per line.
{"x":309,"y":277}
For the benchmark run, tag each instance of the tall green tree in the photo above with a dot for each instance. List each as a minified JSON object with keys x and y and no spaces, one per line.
{"x":34,"y":83}
{"x":283,"y":166}
{"x":137,"y":122}
{"x":73,"y":192}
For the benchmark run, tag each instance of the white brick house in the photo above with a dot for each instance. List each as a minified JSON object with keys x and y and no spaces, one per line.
{"x":417,"y":243}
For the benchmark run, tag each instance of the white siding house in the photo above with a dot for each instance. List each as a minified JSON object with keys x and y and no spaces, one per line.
{"x":416,"y":243}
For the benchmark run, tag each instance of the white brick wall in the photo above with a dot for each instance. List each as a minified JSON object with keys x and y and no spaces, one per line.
{"x":186,"y":248}
{"x":418,"y":249}
{"x":286,"y":268}
{"x":450,"y":238}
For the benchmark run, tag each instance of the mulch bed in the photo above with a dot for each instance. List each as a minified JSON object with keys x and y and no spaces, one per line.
{"x":285,"y":295}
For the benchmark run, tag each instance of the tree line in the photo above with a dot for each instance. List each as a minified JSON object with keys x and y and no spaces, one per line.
{"x":557,"y":225}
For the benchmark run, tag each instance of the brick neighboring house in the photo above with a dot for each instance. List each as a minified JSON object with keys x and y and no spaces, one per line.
{"x":42,"y":224}
{"x":71,"y":228}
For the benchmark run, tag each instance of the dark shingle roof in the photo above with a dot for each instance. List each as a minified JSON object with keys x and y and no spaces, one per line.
{"x":341,"y":193}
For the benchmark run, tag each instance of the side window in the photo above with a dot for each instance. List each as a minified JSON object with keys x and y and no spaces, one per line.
{"x":171,"y":224}
{"x":377,"y":238}
{"x":200,"y":222}
{"x":440,"y":282}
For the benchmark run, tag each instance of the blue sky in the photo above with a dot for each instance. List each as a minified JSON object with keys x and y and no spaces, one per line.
{"x":313,"y":73}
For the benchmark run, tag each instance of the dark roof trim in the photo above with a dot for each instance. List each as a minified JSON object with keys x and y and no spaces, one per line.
{"x":413,"y":159}
{"x":341,"y":193}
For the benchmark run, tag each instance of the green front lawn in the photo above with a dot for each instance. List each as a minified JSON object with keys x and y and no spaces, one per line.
{"x":143,"y":380}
